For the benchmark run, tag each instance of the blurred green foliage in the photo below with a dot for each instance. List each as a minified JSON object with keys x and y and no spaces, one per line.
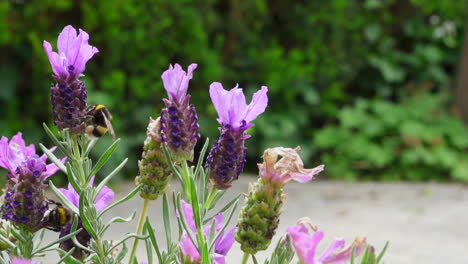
{"x":412,"y":140}
{"x":315,"y":56}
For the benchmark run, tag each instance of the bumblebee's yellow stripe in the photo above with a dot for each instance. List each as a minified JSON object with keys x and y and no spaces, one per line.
{"x":100,"y":106}
{"x":102,"y":130}
{"x":62,"y":216}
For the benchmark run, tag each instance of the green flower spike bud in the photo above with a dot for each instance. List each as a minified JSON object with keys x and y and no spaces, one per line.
{"x":259,"y":217}
{"x":155,"y":173}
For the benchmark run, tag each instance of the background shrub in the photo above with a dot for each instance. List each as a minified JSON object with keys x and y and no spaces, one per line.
{"x":315,"y":56}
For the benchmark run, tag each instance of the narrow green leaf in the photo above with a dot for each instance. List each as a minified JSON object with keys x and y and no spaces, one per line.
{"x":381,"y":254}
{"x":66,"y":256}
{"x":72,"y":178}
{"x":201,"y":158}
{"x":254,"y":259}
{"x":55,"y":141}
{"x":117,"y":219}
{"x":149,"y":250}
{"x":103,"y":159}
{"x":225,"y":225}
{"x":227,"y":206}
{"x":167,"y":221}
{"x":107,"y":179}
{"x":84,"y":217}
{"x":62,"y":198}
{"x":182,"y":220}
{"x":53,"y":158}
{"x":152,"y":237}
{"x":90,"y":146}
{"x":7,"y":241}
{"x":124,"y":199}
{"x":125,"y":238}
{"x":60,"y":240}
{"x":122,"y":253}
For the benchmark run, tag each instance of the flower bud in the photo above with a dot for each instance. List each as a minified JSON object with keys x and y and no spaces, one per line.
{"x":155,"y":173}
{"x":259,"y":218}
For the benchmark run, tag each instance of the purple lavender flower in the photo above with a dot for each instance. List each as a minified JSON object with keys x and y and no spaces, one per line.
{"x":222,"y":245}
{"x":306,"y":245}
{"x":15,"y":152}
{"x":21,"y":261}
{"x":24,"y":200}
{"x":179,"y":120}
{"x":102,"y":201}
{"x":68,"y":95}
{"x":227,"y":157}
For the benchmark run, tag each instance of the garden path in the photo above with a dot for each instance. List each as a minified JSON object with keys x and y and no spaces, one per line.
{"x":426,"y":223}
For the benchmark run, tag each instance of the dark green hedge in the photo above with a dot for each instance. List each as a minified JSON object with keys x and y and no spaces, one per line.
{"x":315,"y":56}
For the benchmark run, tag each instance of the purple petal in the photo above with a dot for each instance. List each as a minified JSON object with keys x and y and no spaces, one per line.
{"x":4,"y":149}
{"x":188,"y":248}
{"x":188,"y":213}
{"x":306,"y":177}
{"x":218,"y":97}
{"x":224,"y":244}
{"x":21,"y":261}
{"x":55,"y":60}
{"x":176,"y":80}
{"x":339,"y":243}
{"x":258,"y":105}
{"x":66,"y":39}
{"x":219,"y":259}
{"x":71,"y":195}
{"x":104,"y":197}
{"x":304,"y":244}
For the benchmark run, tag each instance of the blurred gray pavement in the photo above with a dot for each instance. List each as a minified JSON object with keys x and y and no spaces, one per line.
{"x":425,"y":222}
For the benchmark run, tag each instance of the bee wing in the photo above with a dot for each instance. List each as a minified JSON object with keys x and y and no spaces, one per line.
{"x":109,"y":124}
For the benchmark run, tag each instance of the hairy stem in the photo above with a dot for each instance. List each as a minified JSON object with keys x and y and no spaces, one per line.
{"x":245,"y":258}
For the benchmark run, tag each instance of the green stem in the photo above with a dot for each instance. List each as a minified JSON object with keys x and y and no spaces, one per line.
{"x":245,"y":258}
{"x":186,"y":175}
{"x":210,"y":197}
{"x":79,"y":161}
{"x":141,"y":222}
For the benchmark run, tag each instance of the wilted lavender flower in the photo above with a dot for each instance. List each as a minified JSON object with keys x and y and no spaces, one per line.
{"x":24,"y":200}
{"x":222,"y":245}
{"x":102,"y":201}
{"x":306,"y":245}
{"x":259,"y":218}
{"x":68,"y":95}
{"x":227,"y":157}
{"x":288,"y":167}
{"x":179,"y":120}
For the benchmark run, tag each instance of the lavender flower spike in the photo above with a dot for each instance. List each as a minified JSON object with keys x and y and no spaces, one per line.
{"x":179,"y":120}
{"x":68,"y":95}
{"x":24,"y":200}
{"x":227,"y":157}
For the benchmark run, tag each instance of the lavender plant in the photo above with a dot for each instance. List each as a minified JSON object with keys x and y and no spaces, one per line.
{"x":202,"y":236}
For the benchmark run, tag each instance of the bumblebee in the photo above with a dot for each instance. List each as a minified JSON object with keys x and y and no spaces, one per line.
{"x":100,"y":121}
{"x":56,"y":218}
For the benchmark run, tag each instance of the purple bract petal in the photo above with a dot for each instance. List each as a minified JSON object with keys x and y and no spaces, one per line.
{"x":21,"y":261}
{"x":306,"y":245}
{"x":232,"y":108}
{"x":176,"y":80}
{"x":102,"y":200}
{"x":73,"y":53}
{"x":15,"y":152}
